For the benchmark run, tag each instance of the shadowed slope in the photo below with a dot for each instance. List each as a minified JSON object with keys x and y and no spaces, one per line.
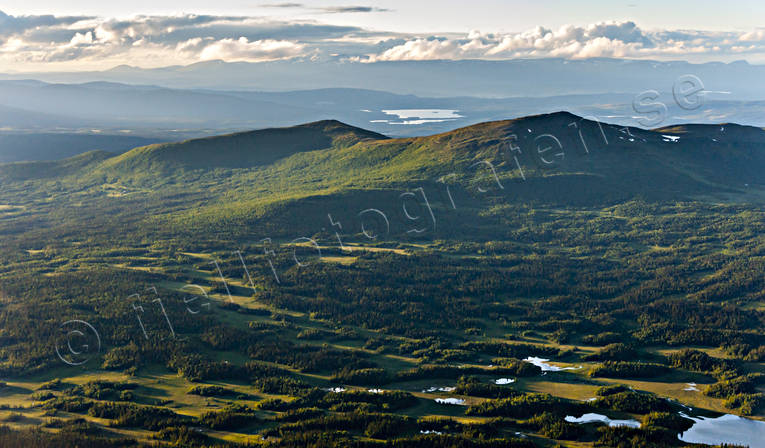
{"x":556,"y":157}
{"x":240,"y":150}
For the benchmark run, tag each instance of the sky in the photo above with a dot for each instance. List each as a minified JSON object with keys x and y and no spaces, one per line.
{"x":443,"y":15}
{"x":49,"y":35}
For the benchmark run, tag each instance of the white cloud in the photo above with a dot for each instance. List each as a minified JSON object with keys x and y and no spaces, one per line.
{"x":47,"y":42}
{"x":64,"y":43}
{"x":754,"y":36}
{"x":243,"y":50}
{"x":81,"y":39}
{"x":608,"y":39}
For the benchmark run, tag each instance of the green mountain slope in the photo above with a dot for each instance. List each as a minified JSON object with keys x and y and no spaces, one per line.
{"x":680,"y":159}
{"x":559,"y":159}
{"x":543,"y":146}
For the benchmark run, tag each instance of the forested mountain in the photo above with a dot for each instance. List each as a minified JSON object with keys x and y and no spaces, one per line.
{"x":324,"y":285}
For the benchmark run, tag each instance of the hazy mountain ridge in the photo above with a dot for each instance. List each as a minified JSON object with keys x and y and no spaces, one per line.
{"x":170,"y":114}
{"x":439,"y":78}
{"x":19,"y":147}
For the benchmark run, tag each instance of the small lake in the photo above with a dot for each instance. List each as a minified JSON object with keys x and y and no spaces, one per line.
{"x":428,"y":114}
{"x":545,"y":366}
{"x":600,"y":418}
{"x":420,"y":116}
{"x":432,"y":389}
{"x":728,"y":428}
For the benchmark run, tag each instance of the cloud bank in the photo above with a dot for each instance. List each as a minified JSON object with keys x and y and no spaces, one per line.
{"x":151,"y":41}
{"x":46,"y":42}
{"x":615,"y":39}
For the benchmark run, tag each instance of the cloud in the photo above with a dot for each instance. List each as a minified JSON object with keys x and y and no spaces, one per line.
{"x":607,"y":39}
{"x":10,"y":25}
{"x":283,"y":5}
{"x":46,"y":42}
{"x":327,"y":9}
{"x":243,"y":50}
{"x":753,"y":36}
{"x":351,"y":9}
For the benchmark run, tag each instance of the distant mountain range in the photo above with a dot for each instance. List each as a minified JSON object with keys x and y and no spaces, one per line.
{"x":508,"y":78}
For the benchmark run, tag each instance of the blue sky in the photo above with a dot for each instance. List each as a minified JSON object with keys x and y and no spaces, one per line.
{"x":86,"y":35}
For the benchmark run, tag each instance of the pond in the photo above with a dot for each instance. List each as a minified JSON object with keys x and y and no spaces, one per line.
{"x":593,"y":418}
{"x":545,"y":366}
{"x":728,"y":428}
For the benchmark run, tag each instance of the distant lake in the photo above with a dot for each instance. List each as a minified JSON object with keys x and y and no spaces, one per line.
{"x":728,"y":428}
{"x":420,"y":116}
